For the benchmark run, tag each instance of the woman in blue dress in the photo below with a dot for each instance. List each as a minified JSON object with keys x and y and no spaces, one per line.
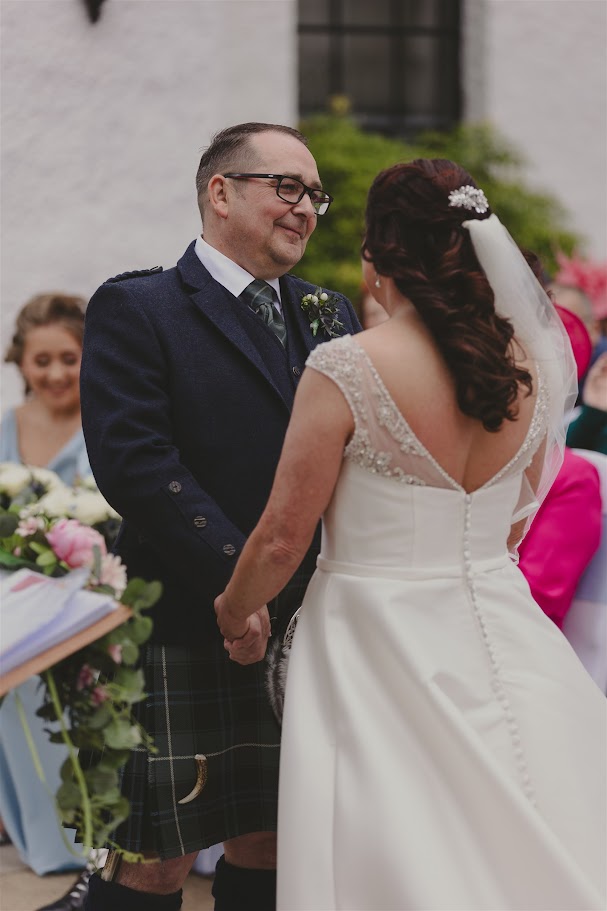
{"x":44,"y":431}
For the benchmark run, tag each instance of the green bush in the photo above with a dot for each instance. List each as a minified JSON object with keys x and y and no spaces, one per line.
{"x":349,"y":158}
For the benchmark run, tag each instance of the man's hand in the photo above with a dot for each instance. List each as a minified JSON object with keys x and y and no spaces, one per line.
{"x":595,"y":384}
{"x":252,"y":646}
{"x":244,"y":640}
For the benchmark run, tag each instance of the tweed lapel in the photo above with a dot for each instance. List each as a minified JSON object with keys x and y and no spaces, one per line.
{"x":221,"y":308}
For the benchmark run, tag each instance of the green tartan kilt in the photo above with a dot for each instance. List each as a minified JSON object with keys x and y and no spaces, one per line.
{"x":200,"y":702}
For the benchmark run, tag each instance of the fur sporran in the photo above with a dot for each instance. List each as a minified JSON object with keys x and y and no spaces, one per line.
{"x":277,"y":664}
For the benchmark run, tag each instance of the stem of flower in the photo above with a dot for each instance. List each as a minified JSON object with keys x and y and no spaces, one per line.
{"x":40,"y":771}
{"x":73,"y":754}
{"x":30,"y":740}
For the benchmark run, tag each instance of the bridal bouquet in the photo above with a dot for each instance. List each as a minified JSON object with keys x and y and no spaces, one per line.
{"x":63,"y":533}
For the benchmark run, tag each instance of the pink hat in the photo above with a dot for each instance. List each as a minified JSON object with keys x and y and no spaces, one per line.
{"x":581,"y":342}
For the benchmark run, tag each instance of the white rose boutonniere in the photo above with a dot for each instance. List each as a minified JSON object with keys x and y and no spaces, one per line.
{"x":321,"y":310}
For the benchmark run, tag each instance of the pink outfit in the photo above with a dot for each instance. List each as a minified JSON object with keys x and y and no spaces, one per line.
{"x":563,"y":537}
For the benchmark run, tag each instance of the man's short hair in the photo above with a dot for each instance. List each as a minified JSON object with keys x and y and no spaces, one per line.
{"x":230,"y":150}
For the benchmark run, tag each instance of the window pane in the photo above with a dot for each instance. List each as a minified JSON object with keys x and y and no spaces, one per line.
{"x":314,"y":60}
{"x":367,"y":72}
{"x":314,"y":12}
{"x":430,"y":12}
{"x":366,"y":12}
{"x":430,"y":80}
{"x":396,"y":60}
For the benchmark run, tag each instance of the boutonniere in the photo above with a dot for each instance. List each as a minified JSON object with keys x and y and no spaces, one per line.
{"x":321,"y":310}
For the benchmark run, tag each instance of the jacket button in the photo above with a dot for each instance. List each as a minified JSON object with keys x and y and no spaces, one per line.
{"x":229,"y":549}
{"x":174,"y":486}
{"x":200,"y":521}
{"x":296,"y":371}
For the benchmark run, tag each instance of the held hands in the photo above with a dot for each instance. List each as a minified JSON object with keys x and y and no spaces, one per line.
{"x":244,"y":640}
{"x":595,"y":385}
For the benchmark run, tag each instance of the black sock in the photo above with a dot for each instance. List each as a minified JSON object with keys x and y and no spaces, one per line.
{"x":243,"y":889}
{"x":109,"y":896}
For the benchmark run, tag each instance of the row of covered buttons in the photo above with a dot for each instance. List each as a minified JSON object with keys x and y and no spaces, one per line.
{"x":200,"y":521}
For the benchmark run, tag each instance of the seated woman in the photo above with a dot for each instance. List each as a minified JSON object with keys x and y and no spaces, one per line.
{"x":44,"y":431}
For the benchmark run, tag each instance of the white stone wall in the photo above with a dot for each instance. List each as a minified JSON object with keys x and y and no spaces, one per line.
{"x":537,"y":70}
{"x":103,"y":126}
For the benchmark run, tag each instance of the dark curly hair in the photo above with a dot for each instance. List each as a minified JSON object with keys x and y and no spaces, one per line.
{"x":416,"y":238}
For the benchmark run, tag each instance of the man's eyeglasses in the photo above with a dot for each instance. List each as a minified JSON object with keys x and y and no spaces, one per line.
{"x":289,"y":189}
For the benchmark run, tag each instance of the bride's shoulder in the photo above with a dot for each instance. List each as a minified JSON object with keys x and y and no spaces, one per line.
{"x":336,"y":350}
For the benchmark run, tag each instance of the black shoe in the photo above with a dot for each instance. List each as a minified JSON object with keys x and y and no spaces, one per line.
{"x":75,"y":898}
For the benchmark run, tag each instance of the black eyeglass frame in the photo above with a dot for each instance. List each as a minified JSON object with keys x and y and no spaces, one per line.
{"x":327,"y":198}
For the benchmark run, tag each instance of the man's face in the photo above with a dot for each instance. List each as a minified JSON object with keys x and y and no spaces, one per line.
{"x":262,"y":233}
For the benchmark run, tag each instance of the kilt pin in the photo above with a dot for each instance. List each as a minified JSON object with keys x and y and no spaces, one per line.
{"x":186,"y":397}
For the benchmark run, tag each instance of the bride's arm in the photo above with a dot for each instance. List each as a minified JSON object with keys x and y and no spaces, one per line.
{"x":311,"y":458}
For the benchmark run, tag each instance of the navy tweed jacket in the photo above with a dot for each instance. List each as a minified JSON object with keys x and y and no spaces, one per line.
{"x":186,"y":397}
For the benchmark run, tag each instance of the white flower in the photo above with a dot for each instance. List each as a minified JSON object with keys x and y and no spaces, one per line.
{"x":89,"y":507}
{"x":13,"y":478}
{"x":113,"y":573}
{"x":49,"y":479}
{"x":86,"y":483}
{"x":57,"y":503}
{"x":324,"y":297}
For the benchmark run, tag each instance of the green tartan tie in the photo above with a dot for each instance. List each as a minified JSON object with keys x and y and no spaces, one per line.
{"x":259,"y":296}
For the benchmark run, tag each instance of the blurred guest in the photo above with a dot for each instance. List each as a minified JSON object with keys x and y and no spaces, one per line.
{"x":580,"y":285}
{"x":44,"y":431}
{"x":576,"y":301}
{"x":566,"y":531}
{"x":588,"y":429}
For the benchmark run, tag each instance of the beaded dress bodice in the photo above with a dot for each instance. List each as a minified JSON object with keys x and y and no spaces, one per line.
{"x":393,"y":504}
{"x":383,"y":443}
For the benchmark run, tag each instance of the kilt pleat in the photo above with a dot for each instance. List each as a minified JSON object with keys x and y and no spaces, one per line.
{"x":199,"y":702}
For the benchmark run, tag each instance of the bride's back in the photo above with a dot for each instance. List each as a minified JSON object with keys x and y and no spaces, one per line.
{"x":415,"y":374}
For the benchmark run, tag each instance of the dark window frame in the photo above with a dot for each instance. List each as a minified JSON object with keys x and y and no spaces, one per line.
{"x":399,"y":120}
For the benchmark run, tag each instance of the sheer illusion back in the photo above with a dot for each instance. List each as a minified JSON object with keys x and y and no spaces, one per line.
{"x":383,"y":442}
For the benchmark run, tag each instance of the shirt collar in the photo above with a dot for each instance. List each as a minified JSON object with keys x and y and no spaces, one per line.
{"x":226,"y":271}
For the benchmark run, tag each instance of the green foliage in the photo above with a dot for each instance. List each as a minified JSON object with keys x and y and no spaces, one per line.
{"x":88,"y":699}
{"x":349,"y":158}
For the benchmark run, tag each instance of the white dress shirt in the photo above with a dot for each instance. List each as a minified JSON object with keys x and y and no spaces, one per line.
{"x":228,"y":273}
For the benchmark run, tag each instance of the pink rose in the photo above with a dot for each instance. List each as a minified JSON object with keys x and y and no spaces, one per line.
{"x":115,"y":653}
{"x":99,"y":695}
{"x":73,"y":543}
{"x":113,"y":573}
{"x":86,"y":677}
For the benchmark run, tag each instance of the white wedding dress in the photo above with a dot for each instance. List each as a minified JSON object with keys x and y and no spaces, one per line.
{"x":442,"y":746}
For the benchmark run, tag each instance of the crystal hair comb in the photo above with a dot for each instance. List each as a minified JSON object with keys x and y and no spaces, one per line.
{"x":468,"y":197}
